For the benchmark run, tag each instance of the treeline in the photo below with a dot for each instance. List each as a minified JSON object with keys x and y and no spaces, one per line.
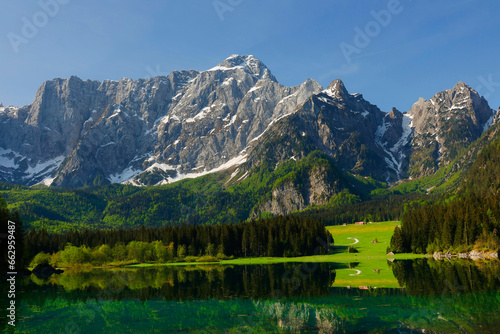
{"x":133,"y":252}
{"x":468,"y":220}
{"x":277,"y":237}
{"x":380,"y":209}
{"x":458,"y":226}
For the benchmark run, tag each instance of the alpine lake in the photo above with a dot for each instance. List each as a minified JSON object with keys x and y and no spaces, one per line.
{"x":330,"y":295}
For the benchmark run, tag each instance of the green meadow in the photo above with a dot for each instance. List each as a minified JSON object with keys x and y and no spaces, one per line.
{"x":371,"y":266}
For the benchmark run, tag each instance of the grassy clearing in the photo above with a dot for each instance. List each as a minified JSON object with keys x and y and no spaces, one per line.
{"x":345,"y":236}
{"x":369,"y":267}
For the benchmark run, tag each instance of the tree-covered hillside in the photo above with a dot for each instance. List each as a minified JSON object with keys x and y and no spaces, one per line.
{"x":213,"y":199}
{"x":468,"y":219}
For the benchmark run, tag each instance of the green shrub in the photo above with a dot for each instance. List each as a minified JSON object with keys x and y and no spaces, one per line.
{"x":40,"y":258}
{"x":351,"y":249}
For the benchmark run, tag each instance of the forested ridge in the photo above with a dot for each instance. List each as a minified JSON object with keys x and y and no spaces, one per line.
{"x":274,"y":237}
{"x":458,"y":226}
{"x":466,"y":220}
{"x":210,"y":199}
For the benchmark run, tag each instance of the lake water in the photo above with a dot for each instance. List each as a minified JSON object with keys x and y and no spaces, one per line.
{"x":435,"y":296}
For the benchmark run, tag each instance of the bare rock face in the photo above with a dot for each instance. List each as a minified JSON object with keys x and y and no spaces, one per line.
{"x":149,"y":131}
{"x":69,"y":122}
{"x":497,"y":117}
{"x":317,"y":188}
{"x":445,"y":125}
{"x":394,"y":136}
{"x":340,"y":124}
{"x":286,"y":198}
{"x":189,"y":123}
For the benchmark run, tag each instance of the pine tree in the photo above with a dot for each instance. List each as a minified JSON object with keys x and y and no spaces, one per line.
{"x":270,"y":244}
{"x":245,"y":243}
{"x":210,"y":250}
{"x":397,"y":241}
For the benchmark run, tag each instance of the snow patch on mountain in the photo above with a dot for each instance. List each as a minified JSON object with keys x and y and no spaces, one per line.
{"x":234,"y":162}
{"x":287,"y":97}
{"x":9,"y":163}
{"x":127,"y":174}
{"x":204,"y":112}
{"x":46,"y":182}
{"x":8,"y":158}
{"x":333,"y":91}
{"x":395,"y":153}
{"x":406,"y":136}
{"x":270,"y":124}
{"x":489,"y":122}
{"x":254,"y":88}
{"x":44,"y":168}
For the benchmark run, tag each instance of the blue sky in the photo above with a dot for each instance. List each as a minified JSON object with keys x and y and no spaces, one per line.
{"x":418,"y":49}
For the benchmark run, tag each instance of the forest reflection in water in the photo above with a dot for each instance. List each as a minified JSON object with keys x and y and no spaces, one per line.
{"x":439,"y":296}
{"x":197,"y":282}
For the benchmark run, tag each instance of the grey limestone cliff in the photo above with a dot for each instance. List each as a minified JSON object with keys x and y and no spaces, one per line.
{"x":150,"y":131}
{"x":234,"y":115}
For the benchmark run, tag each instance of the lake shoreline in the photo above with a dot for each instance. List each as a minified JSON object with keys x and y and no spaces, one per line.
{"x":343,"y":258}
{"x":370,"y":241}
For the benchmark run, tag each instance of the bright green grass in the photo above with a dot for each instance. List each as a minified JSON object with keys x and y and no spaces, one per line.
{"x":373,"y":268}
{"x":382,"y":231}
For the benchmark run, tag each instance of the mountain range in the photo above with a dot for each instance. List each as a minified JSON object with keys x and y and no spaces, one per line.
{"x":235,"y":118}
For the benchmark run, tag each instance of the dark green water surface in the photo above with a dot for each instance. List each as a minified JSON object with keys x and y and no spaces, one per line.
{"x":435,"y":297}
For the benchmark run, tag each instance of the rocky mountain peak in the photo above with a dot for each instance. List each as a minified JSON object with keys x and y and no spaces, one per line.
{"x":459,"y":93}
{"x":461,"y":85}
{"x":247,"y":63}
{"x":74,"y":78}
{"x":336,"y":89}
{"x":421,"y":101}
{"x":446,"y":124}
{"x":395,"y":114}
{"x":159,"y":130}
